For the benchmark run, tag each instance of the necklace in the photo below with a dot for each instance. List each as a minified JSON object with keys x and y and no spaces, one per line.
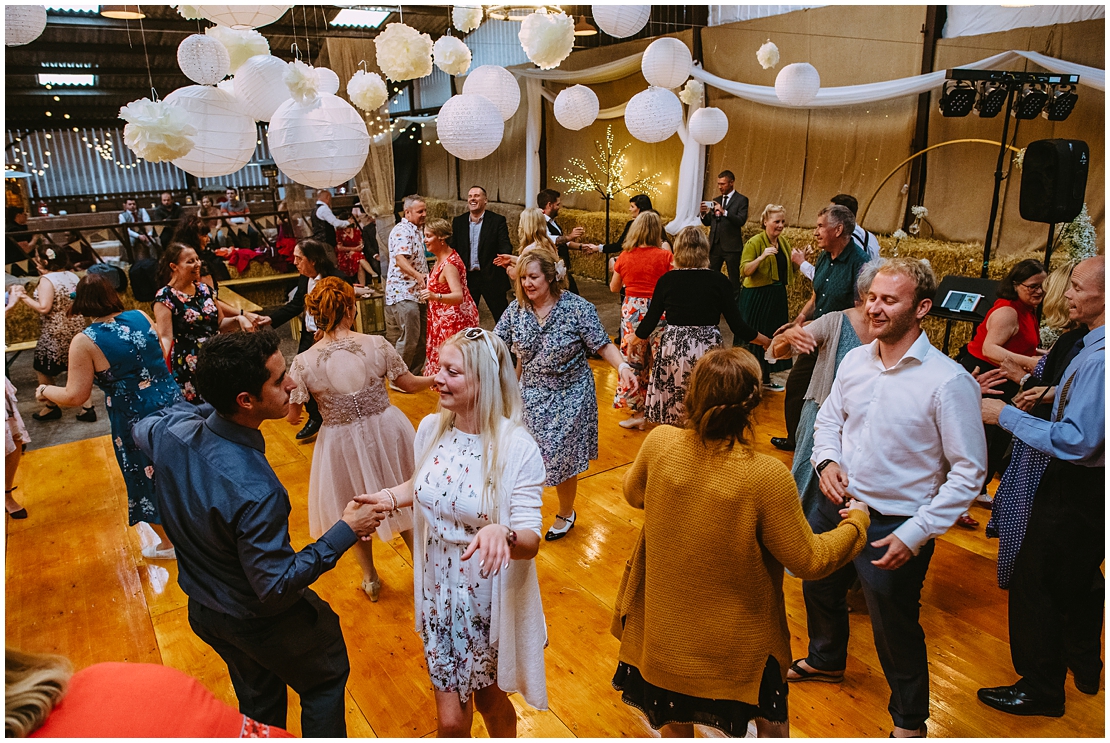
{"x":545,"y":315}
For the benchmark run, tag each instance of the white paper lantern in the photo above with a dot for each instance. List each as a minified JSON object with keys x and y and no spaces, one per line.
{"x":653,"y":115}
{"x":576,"y":107}
{"x":708,"y":125}
{"x":229,"y":86}
{"x":226,"y":135}
{"x":547,"y":38}
{"x":260,"y":87}
{"x":451,"y":55}
{"x":243,"y":16}
{"x":327,"y":81}
{"x":797,"y":84}
{"x":666,"y":63}
{"x":621,"y":21}
{"x":498,"y":85}
{"x":203,"y":59}
{"x":470,"y":126}
{"x":320,"y":144}
{"x":23,"y":23}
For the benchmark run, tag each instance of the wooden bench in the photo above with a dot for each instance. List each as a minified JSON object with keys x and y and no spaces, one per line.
{"x":252,"y":280}
{"x":238,"y":301}
{"x":15,"y":349}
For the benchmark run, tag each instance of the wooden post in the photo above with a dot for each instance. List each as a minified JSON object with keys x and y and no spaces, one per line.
{"x":935,"y":16}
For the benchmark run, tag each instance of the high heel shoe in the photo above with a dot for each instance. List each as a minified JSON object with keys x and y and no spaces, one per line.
{"x":21,"y":513}
{"x":87,"y":415}
{"x":372,"y":588}
{"x":637,"y":423}
{"x":54,"y":414}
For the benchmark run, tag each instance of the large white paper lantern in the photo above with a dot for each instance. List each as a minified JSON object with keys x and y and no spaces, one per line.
{"x":226,"y":135}
{"x":203,"y":59}
{"x":666,"y":63}
{"x":260,"y":87}
{"x":708,"y":125}
{"x":621,"y":21}
{"x":243,"y":16}
{"x":653,"y":115}
{"x":23,"y":24}
{"x":327,"y":81}
{"x":797,"y":84}
{"x":576,"y":107}
{"x":320,"y":144}
{"x":498,"y":85}
{"x":469,"y":126}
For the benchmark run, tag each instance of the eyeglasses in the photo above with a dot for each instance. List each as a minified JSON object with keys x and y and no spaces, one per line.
{"x":1034,"y":287}
{"x":473,"y":334}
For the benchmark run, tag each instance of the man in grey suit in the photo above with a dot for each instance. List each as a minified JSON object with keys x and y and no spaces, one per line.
{"x":725,"y":221}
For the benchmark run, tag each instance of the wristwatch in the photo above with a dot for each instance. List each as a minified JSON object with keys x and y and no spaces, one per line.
{"x":820,"y":468}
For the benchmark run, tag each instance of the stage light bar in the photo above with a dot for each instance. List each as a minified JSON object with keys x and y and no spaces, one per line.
{"x":957,"y":99}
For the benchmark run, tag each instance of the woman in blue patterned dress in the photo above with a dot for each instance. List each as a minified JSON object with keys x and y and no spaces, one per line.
{"x":120,"y":352}
{"x":551,"y":331}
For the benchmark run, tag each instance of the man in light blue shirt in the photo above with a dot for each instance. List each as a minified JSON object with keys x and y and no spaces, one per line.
{"x":1057,"y":590}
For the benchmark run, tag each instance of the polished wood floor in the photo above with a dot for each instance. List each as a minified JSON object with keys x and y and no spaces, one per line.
{"x":77,"y":585}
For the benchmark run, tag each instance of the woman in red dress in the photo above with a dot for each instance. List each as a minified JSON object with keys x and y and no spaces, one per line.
{"x":450,"y":306}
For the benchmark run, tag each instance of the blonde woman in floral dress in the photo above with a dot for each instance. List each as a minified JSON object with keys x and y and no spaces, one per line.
{"x":450,"y":306}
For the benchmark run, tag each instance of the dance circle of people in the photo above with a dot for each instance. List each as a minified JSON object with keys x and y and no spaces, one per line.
{"x":893,"y":442}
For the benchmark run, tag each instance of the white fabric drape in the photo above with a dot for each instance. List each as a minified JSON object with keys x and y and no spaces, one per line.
{"x":719,"y":15}
{"x":973,"y":20}
{"x":690,"y":172}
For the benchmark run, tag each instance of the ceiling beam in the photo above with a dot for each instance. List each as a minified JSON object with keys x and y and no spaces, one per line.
{"x":67,"y":91}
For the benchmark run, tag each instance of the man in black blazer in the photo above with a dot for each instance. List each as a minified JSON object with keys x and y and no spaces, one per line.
{"x":312,"y":262}
{"x":725,"y":221}
{"x":477,"y":236}
{"x":550,"y":201}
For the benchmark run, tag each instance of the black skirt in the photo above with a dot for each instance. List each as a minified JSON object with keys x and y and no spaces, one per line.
{"x":731,"y":717}
{"x":766,"y":309}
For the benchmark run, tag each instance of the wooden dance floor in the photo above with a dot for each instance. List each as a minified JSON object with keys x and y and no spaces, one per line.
{"x":77,"y":585}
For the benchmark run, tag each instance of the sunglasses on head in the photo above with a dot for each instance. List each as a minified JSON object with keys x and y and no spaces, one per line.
{"x":473,"y":334}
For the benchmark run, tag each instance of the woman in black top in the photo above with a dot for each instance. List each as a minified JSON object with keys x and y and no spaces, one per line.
{"x":693,"y":298}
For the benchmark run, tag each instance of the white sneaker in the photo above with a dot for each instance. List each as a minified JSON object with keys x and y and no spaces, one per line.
{"x":151,"y":552}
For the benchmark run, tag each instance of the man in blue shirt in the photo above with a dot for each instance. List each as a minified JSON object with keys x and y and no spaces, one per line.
{"x":1053,"y":607}
{"x":228,"y":515}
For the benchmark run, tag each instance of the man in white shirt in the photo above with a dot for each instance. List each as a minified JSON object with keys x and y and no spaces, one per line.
{"x":324,"y":221}
{"x":130,"y":215}
{"x":405,"y":316}
{"x":899,"y":431}
{"x":867,"y":241}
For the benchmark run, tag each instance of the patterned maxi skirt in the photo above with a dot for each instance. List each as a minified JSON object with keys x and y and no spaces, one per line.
{"x":679,"y":349}
{"x":639,"y":354}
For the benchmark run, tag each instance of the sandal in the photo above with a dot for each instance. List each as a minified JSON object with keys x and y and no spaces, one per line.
{"x":87,"y":415}
{"x":834,"y":677}
{"x":568,"y":524}
{"x":372,"y":588}
{"x":54,"y":414}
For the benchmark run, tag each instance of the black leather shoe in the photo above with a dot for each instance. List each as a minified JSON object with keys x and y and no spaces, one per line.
{"x":1016,"y":702}
{"x":782,"y":443}
{"x":310,"y":429}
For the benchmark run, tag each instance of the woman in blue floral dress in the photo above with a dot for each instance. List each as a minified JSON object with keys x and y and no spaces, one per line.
{"x":551,"y":331}
{"x":120,"y":352}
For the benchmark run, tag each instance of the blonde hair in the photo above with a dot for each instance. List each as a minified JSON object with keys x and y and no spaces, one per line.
{"x":329,"y":302}
{"x":691,"y":248}
{"x":547,"y":259}
{"x":33,"y":684}
{"x":486,"y":363}
{"x":771,"y":209}
{"x":646,"y":229}
{"x":441,"y":228}
{"x":1054,"y":307}
{"x":917,"y":270}
{"x":533,"y":229}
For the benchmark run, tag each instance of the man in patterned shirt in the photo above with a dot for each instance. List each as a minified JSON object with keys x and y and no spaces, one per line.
{"x":405,"y":317}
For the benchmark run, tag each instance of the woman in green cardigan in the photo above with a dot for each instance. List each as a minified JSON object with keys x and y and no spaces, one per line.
{"x":767,"y":271}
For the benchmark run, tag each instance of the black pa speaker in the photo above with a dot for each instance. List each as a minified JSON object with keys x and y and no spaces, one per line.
{"x":1054,"y":180}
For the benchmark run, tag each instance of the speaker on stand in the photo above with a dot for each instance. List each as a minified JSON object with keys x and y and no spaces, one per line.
{"x":1053,"y":183}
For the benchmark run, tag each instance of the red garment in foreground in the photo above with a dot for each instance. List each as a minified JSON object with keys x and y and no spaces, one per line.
{"x":145,"y":700}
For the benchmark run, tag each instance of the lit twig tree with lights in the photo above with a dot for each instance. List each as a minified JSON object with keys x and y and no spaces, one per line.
{"x":608,"y":178}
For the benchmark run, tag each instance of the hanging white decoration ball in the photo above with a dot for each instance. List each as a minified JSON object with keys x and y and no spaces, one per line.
{"x":621,"y":21}
{"x":189,"y":12}
{"x":260,"y":86}
{"x":576,"y":107}
{"x":203,"y":59}
{"x":767,"y":55}
{"x":226,"y":135}
{"x":157,"y":131}
{"x":403,"y":53}
{"x":470,"y":126}
{"x":653,"y":115}
{"x":240,"y":45}
{"x":23,"y":24}
{"x":498,"y":85}
{"x":666,"y":63}
{"x":466,"y":18}
{"x":327,"y":81}
{"x":367,"y":90}
{"x":797,"y":84}
{"x":321,"y":144}
{"x":243,"y":16}
{"x":547,"y":38}
{"x":451,"y":55}
{"x":229,"y":86}
{"x":708,"y":125}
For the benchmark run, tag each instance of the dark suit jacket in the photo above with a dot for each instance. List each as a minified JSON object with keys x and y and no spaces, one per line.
{"x":295,"y":306}
{"x":725,"y":234}
{"x":492,"y":239}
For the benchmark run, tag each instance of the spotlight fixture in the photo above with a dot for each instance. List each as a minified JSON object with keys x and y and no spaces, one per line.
{"x":992,"y":97}
{"x":1060,"y":103}
{"x":1029,"y":101}
{"x":122,"y":12}
{"x":957,"y":99}
{"x":583,"y":28}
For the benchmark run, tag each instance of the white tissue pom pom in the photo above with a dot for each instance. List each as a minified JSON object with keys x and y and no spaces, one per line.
{"x":547,"y":38}
{"x":326,"y":81}
{"x":203,"y":59}
{"x":466,"y":18}
{"x":367,"y":90}
{"x":919,"y":211}
{"x":693,"y":94}
{"x":156,"y":131}
{"x":189,"y":12}
{"x":899,"y":235}
{"x":403,"y":53}
{"x":301,"y":81}
{"x":240,"y":45}
{"x":768,"y":55}
{"x":451,"y":55}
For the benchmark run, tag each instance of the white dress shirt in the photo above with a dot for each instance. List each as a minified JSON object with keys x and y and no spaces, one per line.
{"x":324,"y":212}
{"x":475,"y":233}
{"x":309,"y":320}
{"x":909,"y":438}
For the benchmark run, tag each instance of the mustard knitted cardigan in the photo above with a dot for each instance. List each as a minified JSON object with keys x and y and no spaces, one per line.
{"x":700,"y":606}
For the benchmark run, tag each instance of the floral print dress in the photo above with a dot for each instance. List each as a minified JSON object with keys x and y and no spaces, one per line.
{"x":195,"y":319}
{"x":444,"y":320}
{"x":58,"y":328}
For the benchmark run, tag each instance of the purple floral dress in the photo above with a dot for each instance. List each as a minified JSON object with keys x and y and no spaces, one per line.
{"x":195,"y":319}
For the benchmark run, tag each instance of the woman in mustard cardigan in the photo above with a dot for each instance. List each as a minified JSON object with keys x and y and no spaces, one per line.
{"x":714,"y":649}
{"x":767,"y":270}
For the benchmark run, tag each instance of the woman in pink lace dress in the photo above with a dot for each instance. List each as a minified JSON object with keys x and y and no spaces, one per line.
{"x":450,"y":306}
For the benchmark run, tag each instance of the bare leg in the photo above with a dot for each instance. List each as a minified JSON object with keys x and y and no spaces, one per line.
{"x":11,"y":462}
{"x":453,"y":719}
{"x":165,"y":544}
{"x":567,"y":491}
{"x":768,"y":729}
{"x":677,"y":730}
{"x":497,"y":711}
{"x":43,"y":379}
{"x":364,"y":553}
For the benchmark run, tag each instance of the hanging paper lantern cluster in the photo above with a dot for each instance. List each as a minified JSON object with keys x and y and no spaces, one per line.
{"x":576,"y":107}
{"x":320,"y":144}
{"x":367,"y":90}
{"x":797,"y":84}
{"x":203,"y":59}
{"x":240,"y":45}
{"x":466,"y":18}
{"x":498,"y":85}
{"x":226,"y":136}
{"x":469,"y":126}
{"x":243,"y":16}
{"x":403,"y":53}
{"x":708,"y":125}
{"x":666,"y":63}
{"x":653,"y":115}
{"x":259,"y":86}
{"x":547,"y":38}
{"x":23,"y":24}
{"x":157,"y":131}
{"x":451,"y":55}
{"x":327,"y":81}
{"x":621,"y":21}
